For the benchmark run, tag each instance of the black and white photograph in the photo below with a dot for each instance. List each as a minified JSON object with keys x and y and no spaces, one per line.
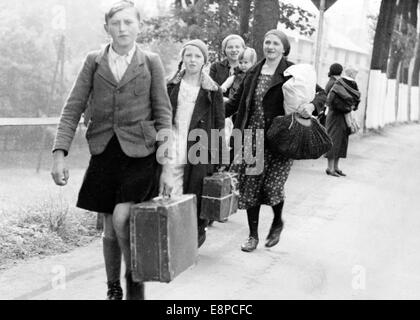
{"x":209,"y":154}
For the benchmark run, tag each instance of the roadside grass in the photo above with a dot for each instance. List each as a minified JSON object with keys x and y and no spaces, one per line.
{"x":48,"y":227}
{"x":37,"y":218}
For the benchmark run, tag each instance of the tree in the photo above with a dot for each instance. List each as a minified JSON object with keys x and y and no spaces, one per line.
{"x":410,"y":46}
{"x":402,"y":42}
{"x":245,"y":15}
{"x":213,"y":20}
{"x":266,"y":17}
{"x":383,"y":34}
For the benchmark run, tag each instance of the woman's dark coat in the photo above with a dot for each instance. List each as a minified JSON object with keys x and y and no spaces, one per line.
{"x":208,"y":114}
{"x":241,"y":102}
{"x":330,"y":84}
{"x":343,"y":97}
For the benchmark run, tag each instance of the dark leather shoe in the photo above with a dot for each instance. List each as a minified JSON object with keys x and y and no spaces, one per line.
{"x":341,"y":173}
{"x":135,"y":290}
{"x":114,"y":291}
{"x":274,"y":236}
{"x":250,"y":244}
{"x":332,"y":173}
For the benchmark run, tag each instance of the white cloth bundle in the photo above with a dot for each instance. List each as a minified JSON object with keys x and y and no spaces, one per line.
{"x":300,"y":89}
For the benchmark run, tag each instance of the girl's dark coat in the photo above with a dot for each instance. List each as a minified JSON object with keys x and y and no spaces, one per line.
{"x":208,"y":114}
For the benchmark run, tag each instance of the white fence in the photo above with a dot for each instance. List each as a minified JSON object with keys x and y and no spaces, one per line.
{"x":389,"y":102}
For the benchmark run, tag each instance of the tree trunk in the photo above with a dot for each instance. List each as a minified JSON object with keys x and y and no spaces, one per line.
{"x":411,"y":23}
{"x":396,"y":52}
{"x":416,"y":69}
{"x":383,"y":35}
{"x":244,"y":17}
{"x":266,"y":17}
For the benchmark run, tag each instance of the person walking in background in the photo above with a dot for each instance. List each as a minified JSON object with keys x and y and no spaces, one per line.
{"x":128,"y":105}
{"x":197,"y":103}
{"x":343,"y":98}
{"x":257,"y":102}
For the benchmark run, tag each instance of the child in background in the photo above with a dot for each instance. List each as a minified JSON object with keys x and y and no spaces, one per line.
{"x":247,"y":59}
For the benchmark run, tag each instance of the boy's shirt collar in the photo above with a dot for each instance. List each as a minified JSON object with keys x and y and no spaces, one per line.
{"x":127,"y":57}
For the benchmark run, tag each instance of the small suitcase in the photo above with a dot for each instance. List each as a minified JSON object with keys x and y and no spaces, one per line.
{"x":220,"y":196}
{"x":163,"y":236}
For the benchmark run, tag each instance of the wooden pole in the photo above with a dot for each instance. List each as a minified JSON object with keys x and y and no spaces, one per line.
{"x":319,"y":37}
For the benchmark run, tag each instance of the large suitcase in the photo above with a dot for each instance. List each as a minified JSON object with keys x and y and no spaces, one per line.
{"x":163,"y":238}
{"x":220,"y":196}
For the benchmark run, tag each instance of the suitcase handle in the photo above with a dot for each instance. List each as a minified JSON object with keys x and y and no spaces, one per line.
{"x":162,"y":198}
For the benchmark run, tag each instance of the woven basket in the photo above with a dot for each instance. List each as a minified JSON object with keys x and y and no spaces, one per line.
{"x":296,"y":138}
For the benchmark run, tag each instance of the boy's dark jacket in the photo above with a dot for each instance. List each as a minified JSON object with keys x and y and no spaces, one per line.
{"x":133,"y":109}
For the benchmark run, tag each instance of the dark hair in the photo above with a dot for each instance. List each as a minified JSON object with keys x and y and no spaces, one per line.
{"x":335,"y":70}
{"x":118,"y":6}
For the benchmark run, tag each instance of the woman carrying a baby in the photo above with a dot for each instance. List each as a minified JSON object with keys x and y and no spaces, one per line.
{"x":258,"y":100}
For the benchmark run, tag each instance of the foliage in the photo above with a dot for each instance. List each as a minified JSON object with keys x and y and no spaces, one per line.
{"x":29,"y":53}
{"x":213,"y":20}
{"x":296,"y":18}
{"x":25,"y":62}
{"x":373,"y":22}
{"x":29,"y":43}
{"x":403,"y":43}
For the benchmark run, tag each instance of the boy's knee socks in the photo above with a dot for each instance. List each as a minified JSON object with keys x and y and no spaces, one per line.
{"x":112,"y":257}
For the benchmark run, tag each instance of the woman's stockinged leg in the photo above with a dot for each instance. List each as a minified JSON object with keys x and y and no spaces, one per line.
{"x":331,"y":163}
{"x":121,"y":219}
{"x":112,"y":258}
{"x":278,"y":210}
{"x":253,"y":218}
{"x":276,"y":227}
{"x":337,"y":170}
{"x":252,"y":242}
{"x":336,"y":164}
{"x":331,"y":167}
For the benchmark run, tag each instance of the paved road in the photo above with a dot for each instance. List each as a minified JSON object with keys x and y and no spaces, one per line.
{"x":345,"y":238}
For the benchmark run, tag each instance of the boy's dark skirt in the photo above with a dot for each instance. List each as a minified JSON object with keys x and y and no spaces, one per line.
{"x":113,"y":178}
